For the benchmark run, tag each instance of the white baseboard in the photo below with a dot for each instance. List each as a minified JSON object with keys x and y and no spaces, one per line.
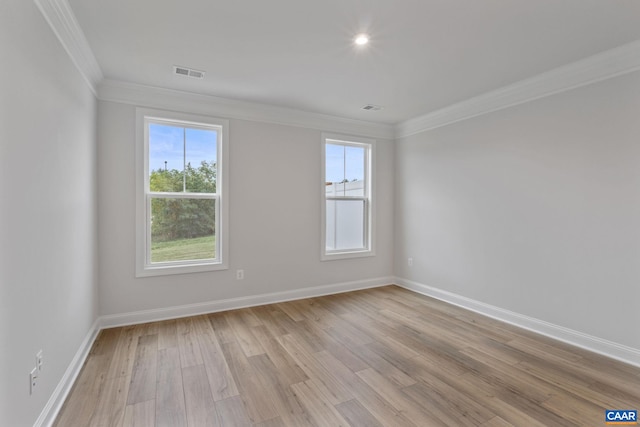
{"x":53,"y":406}
{"x":597,"y":345}
{"x":51,"y":410}
{"x":114,"y":320}
{"x":607,"y":348}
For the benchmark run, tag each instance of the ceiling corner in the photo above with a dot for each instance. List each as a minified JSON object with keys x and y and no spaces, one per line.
{"x":605,"y":65}
{"x":63,"y":22}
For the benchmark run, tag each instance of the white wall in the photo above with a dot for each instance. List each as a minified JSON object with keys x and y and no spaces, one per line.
{"x":533,"y":209}
{"x":274,"y":235}
{"x":48,"y":280}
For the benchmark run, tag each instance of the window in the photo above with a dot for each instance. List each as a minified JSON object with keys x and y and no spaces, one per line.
{"x":181,"y":196}
{"x":347,"y":188}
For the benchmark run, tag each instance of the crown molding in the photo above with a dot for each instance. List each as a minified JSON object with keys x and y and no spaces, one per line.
{"x":611,"y":63}
{"x":170,"y":99}
{"x":60,"y":17}
{"x":63,"y":22}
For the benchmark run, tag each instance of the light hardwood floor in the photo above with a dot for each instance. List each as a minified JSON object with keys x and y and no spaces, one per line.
{"x":379,"y":357}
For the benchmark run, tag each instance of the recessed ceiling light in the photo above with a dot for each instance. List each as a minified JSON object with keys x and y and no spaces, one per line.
{"x":361,"y":39}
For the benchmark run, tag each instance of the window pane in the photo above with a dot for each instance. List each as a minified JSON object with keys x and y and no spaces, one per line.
{"x":345,"y":224}
{"x":345,"y":170}
{"x":354,"y":163}
{"x":354,"y":171}
{"x":201,"y":157}
{"x":182,"y":229}
{"x":353,"y":188}
{"x":334,"y":163}
{"x":331,"y":225}
{"x":166,"y":158}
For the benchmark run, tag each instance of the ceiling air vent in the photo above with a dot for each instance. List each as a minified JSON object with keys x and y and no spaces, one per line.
{"x":371,"y":107}
{"x":188,"y":72}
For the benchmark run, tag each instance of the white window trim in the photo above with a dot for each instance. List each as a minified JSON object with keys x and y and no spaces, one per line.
{"x":370,"y":220}
{"x":143,"y":267}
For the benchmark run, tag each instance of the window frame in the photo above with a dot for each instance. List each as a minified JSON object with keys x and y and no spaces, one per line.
{"x":369,"y":198}
{"x":144,"y":267}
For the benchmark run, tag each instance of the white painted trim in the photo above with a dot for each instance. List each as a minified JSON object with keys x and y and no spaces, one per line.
{"x":579,"y":339}
{"x":63,"y":22}
{"x":614,"y":62}
{"x":51,"y":410}
{"x":53,"y":406}
{"x":143,"y":238}
{"x":169,"y":99}
{"x":369,"y":198}
{"x":133,"y":318}
{"x":611,"y":63}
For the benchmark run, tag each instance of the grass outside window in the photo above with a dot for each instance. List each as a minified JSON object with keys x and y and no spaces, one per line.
{"x":198,"y":248}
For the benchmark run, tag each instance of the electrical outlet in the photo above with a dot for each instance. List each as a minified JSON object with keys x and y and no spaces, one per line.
{"x":33,"y":377}
{"x":39,"y":360}
{"x":410,"y":262}
{"x":239,"y":274}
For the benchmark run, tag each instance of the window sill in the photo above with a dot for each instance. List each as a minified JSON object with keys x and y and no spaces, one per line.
{"x":166,"y":270}
{"x":330,"y":256}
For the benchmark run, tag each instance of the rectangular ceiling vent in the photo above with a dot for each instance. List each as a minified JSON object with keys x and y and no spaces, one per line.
{"x":371,"y":107}
{"x":188,"y":72}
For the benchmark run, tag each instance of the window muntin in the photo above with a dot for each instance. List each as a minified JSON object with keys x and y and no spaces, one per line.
{"x":181,"y":199}
{"x":347,"y":212}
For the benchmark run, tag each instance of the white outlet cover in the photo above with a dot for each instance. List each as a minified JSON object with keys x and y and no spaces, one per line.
{"x":33,"y":375}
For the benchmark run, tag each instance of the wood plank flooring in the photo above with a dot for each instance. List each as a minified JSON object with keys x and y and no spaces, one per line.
{"x":379,"y":357}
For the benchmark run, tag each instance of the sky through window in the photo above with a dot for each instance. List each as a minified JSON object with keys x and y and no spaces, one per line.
{"x":166,"y":144}
{"x":344,"y":162}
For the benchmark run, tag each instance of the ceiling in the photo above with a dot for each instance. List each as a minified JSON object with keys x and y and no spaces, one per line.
{"x":424,"y":55}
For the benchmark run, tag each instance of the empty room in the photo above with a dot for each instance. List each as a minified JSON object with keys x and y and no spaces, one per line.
{"x":319,"y":213}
